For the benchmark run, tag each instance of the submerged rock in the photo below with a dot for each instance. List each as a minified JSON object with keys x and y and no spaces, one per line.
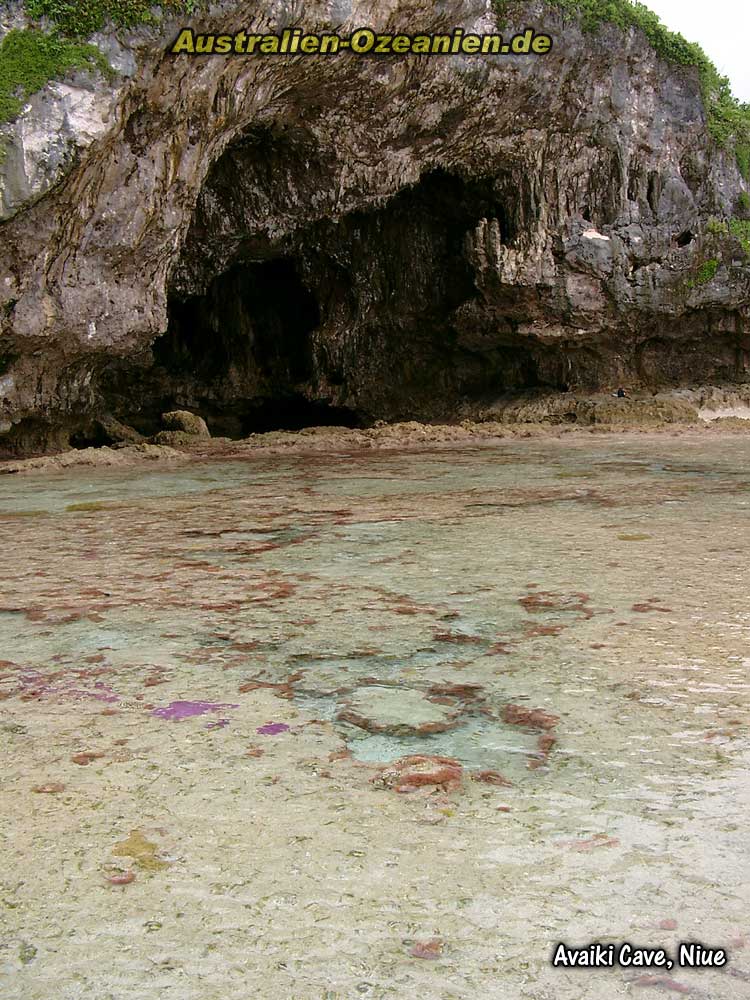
{"x":397,"y":711}
{"x":408,"y":774}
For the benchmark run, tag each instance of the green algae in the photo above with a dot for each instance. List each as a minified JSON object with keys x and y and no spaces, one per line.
{"x":82,"y":508}
{"x":26,"y":953}
{"x":142,"y":851}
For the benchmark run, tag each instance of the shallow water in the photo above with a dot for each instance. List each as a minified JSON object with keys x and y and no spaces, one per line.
{"x":603,"y":581}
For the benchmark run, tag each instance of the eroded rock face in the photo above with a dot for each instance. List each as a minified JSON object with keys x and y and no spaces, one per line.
{"x":271,"y":242}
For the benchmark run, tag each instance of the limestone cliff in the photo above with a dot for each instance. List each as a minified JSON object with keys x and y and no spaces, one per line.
{"x":277,"y":240}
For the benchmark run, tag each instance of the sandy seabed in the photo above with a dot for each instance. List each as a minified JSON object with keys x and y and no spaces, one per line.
{"x":199,"y":657}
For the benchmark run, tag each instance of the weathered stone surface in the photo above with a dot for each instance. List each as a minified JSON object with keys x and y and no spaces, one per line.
{"x":42,"y":145}
{"x":99,"y":457}
{"x":119,"y":433}
{"x":188,"y":423}
{"x":545,"y":407}
{"x":273,"y":242}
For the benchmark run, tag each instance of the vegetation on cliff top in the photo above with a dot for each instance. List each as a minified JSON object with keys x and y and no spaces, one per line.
{"x":728,"y":119}
{"x":81,"y":18}
{"x":29,"y":59}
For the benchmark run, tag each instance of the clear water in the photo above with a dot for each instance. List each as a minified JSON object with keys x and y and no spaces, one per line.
{"x":603,"y":581}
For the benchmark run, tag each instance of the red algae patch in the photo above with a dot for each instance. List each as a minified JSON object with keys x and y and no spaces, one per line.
{"x":592,"y":843}
{"x":86,"y":758}
{"x":664,"y":982}
{"x":411,"y":773}
{"x":122,"y":878}
{"x":430,"y":950}
{"x":531,"y":718}
{"x":652,"y":604}
{"x":544,"y":747}
{"x":492,"y":778}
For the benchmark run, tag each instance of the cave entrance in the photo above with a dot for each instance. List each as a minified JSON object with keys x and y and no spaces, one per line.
{"x":256,"y":316}
{"x":241,"y":353}
{"x":378,"y":314}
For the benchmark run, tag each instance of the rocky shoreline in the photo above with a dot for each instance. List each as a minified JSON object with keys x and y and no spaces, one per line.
{"x":704,"y":411}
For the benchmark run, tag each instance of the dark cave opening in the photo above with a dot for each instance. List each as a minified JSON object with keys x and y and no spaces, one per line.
{"x":380,"y":314}
{"x":241,"y":355}
{"x":256,"y":315}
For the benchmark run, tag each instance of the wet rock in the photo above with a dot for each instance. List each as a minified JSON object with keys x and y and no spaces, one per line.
{"x":117,"y":432}
{"x":397,"y":711}
{"x":584,"y":409}
{"x":189,"y":423}
{"x":530,"y":718}
{"x":408,"y":774}
{"x":432,"y":265}
{"x":88,"y":757}
{"x":176,"y":439}
{"x":97,"y":457}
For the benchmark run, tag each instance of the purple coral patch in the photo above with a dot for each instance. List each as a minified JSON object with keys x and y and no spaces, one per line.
{"x":273,"y":729}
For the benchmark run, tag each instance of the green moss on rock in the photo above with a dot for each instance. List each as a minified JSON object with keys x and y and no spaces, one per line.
{"x":81,"y":18}
{"x":707,"y":271}
{"x":738,"y":228}
{"x":31,"y":58}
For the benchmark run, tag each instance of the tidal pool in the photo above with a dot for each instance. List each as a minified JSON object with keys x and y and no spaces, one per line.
{"x":205,"y":669}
